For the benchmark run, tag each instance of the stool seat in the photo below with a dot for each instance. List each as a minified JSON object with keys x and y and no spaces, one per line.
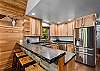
{"x":25,"y":60}
{"x":34,"y":67}
{"x":17,"y":50}
{"x":20,"y":54}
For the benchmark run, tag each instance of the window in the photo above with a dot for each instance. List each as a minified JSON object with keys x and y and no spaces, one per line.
{"x":45,"y":32}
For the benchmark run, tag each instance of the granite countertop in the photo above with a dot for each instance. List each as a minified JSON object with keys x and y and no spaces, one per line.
{"x":69,"y":56}
{"x":48,"y":54}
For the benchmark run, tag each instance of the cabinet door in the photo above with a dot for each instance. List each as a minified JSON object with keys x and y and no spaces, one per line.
{"x":65,"y":29}
{"x":35,"y":27}
{"x":70,"y":29}
{"x":89,"y":20}
{"x":78,"y":23}
{"x":52,"y":30}
{"x":60,"y":30}
{"x":55,"y":30}
{"x":38,"y":27}
{"x":70,"y":48}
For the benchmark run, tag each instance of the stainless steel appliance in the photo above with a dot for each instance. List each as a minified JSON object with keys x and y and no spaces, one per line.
{"x":85,"y":50}
{"x":98,"y":35}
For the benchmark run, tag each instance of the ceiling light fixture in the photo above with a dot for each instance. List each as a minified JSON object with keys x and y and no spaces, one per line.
{"x":46,"y":21}
{"x":69,"y":19}
{"x":45,"y":24}
{"x":58,"y":22}
{"x":33,"y":14}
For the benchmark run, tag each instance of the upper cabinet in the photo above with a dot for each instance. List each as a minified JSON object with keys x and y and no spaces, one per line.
{"x":60,"y":30}
{"x":53,"y":29}
{"x":89,"y":20}
{"x":32,"y":27}
{"x":36,"y":27}
{"x":70,"y":28}
{"x":65,"y":29}
{"x":85,"y":21}
{"x":78,"y":23}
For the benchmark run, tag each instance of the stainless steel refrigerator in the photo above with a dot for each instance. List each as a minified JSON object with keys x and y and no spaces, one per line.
{"x":85,"y":46}
{"x":98,"y":35}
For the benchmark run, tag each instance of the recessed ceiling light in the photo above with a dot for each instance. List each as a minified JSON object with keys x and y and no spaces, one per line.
{"x":46,"y":21}
{"x":45,"y":24}
{"x":33,"y":13}
{"x":69,"y":19}
{"x":59,"y":22}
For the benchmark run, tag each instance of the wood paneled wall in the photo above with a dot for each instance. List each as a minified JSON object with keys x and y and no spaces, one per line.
{"x":8,"y":37}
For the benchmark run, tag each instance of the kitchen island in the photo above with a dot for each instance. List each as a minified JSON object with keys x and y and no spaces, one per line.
{"x":50,"y":59}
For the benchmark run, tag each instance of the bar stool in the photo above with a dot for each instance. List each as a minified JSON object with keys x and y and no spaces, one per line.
{"x":17,"y":54}
{"x":34,"y":67}
{"x":24,"y":62}
{"x":20,"y":54}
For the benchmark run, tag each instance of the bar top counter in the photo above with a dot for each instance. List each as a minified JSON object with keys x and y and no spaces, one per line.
{"x":45,"y":53}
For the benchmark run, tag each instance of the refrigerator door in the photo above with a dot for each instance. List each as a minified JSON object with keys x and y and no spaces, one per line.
{"x":98,"y":35}
{"x":84,"y":37}
{"x":98,"y":39}
{"x":91,"y":37}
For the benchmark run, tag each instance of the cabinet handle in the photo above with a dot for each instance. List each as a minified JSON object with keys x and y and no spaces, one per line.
{"x":90,"y":49}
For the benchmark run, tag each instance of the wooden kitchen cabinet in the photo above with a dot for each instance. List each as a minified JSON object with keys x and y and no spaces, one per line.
{"x":89,"y":20}
{"x":65,"y":29}
{"x":36,"y":27}
{"x":53,"y":29}
{"x":62,"y":29}
{"x":70,"y":47}
{"x":58,"y":30}
{"x":70,"y":29}
{"x":32,"y":27}
{"x":78,"y":23}
{"x":85,"y":21}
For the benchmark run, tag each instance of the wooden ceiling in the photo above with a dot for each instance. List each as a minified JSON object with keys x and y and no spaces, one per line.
{"x":13,"y":8}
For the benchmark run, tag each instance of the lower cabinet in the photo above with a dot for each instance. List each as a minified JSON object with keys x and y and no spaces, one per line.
{"x":70,"y":48}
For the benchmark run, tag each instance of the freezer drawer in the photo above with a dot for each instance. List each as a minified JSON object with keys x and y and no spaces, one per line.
{"x":90,"y":60}
{"x":85,"y":58}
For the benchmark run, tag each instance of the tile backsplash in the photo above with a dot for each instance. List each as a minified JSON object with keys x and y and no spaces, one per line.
{"x":32,"y":39}
{"x":64,"y":38}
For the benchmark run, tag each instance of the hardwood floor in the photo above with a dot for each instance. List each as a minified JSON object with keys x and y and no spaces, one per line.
{"x":81,"y":67}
